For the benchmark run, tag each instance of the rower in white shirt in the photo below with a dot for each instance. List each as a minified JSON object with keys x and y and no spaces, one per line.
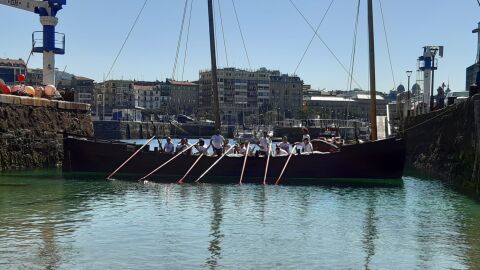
{"x":306,"y":134}
{"x":284,"y":145}
{"x":200,"y":146}
{"x":216,"y":142}
{"x":227,"y":147}
{"x":169,"y":148}
{"x":182,"y":146}
{"x":242,"y":150}
{"x":307,"y":146}
{"x":264,"y":144}
{"x":280,"y":152}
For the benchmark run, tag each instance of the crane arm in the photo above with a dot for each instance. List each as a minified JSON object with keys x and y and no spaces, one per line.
{"x":28,"y":5}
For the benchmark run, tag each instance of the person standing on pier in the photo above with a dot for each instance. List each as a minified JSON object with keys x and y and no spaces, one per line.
{"x":216,"y":142}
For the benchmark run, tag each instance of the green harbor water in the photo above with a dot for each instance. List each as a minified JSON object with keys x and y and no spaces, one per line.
{"x":50,"y":221}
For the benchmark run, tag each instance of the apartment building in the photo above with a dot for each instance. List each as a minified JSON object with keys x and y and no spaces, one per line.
{"x":83,"y":89}
{"x":183,"y":96}
{"x":244,"y":94}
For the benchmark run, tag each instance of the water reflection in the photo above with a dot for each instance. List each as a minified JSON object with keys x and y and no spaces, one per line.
{"x":62,"y":224}
{"x":48,"y":253}
{"x":370,"y":229}
{"x":215,"y":243}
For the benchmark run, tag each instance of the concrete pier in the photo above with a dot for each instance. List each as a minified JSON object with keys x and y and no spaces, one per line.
{"x":446,"y":144}
{"x":31,"y":130}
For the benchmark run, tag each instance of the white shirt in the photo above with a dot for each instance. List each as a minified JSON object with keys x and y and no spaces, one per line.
{"x":284,"y":146}
{"x":169,"y":148}
{"x":282,"y":153}
{"x":306,"y":136}
{"x":264,"y":143}
{"x":226,"y":147}
{"x":217,"y":141}
{"x":181,"y":147}
{"x":202,"y":149}
{"x":242,"y":150}
{"x":307,"y":148}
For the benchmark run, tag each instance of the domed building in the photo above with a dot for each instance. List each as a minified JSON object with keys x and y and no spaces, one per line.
{"x":400,"y":89}
{"x":416,"y":89}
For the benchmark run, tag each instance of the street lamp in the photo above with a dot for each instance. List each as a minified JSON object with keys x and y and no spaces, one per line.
{"x":409,"y":73}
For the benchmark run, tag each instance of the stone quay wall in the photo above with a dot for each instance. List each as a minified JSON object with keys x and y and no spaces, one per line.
{"x":446,"y":144}
{"x":31,"y":130}
{"x":125,"y":130}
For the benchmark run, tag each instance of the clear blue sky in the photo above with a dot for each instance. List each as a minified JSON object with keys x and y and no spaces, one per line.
{"x":275,"y":35}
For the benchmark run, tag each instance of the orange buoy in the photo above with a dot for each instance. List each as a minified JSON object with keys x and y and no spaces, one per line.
{"x":39,"y":92}
{"x":6,"y":89}
{"x":50,"y":90}
{"x":17,"y":88}
{"x":30,"y":91}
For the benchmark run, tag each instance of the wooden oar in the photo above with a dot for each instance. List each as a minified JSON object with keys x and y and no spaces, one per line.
{"x":244,"y":163}
{"x":128,"y":159}
{"x":285,"y":166}
{"x":213,"y":165}
{"x":164,"y":164}
{"x":191,"y":168}
{"x":268,"y":161}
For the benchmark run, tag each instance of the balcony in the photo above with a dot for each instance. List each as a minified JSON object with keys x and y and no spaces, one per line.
{"x":38,"y":45}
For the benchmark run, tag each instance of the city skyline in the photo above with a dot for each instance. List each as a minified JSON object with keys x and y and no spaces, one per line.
{"x":271,"y":41}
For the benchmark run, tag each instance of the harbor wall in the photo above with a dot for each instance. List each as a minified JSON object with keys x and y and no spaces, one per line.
{"x":126,"y":130}
{"x":446,"y":144}
{"x":31,"y":130}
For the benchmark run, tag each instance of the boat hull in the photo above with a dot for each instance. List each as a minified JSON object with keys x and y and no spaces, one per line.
{"x":374,"y":160}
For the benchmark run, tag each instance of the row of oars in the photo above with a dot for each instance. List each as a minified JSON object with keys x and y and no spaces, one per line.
{"x":210,"y":168}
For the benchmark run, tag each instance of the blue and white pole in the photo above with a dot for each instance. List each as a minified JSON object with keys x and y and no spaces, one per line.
{"x":49,"y":24}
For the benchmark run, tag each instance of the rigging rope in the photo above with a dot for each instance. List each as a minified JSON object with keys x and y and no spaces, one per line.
{"x":352,"y":59}
{"x":179,"y":40}
{"x":354,"y":48}
{"x":188,"y":36}
{"x":323,"y":42}
{"x":388,"y":46}
{"x":126,"y":39}
{"x":478,"y":1}
{"x":313,"y":37}
{"x":241,"y":34}
{"x":223,"y":33}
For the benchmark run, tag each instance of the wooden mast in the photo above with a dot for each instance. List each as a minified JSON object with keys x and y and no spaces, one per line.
{"x":373,"y":90}
{"x":216,"y":106}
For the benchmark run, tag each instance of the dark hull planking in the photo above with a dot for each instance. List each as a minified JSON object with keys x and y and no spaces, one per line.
{"x":374,"y":161}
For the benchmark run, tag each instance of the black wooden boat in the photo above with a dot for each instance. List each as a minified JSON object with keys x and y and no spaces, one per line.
{"x":379,"y":160}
